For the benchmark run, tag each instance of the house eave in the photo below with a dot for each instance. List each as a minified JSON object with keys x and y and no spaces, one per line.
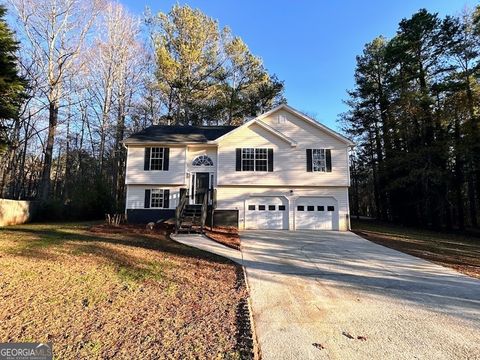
{"x":169,"y":143}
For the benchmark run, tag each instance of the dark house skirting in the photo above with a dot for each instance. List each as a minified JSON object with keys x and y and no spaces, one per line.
{"x":144,"y":216}
{"x":224,"y":218}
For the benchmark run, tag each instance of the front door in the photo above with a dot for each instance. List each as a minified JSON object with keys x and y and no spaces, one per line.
{"x":201,"y":186}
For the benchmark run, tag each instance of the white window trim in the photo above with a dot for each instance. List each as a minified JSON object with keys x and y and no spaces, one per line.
{"x":163,"y":198}
{"x":162,"y":158}
{"x":324,"y":161}
{"x":255,"y":159}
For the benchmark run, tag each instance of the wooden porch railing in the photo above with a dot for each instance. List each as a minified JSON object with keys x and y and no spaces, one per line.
{"x":203,"y":217}
{"x":181,"y":205}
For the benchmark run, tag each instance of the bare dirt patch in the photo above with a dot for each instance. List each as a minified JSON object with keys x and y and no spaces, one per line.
{"x":456,"y":251}
{"x":227,"y":236}
{"x":119,"y":292}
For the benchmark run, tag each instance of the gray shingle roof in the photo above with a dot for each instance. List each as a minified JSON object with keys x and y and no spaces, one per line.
{"x":178,"y":134}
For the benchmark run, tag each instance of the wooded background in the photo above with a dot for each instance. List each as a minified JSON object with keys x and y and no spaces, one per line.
{"x":78,"y":76}
{"x":414,"y":113}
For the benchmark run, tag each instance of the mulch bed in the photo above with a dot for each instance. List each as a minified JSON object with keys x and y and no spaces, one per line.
{"x":227,"y":236}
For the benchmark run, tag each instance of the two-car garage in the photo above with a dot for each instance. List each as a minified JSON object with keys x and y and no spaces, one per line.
{"x":307,"y":212}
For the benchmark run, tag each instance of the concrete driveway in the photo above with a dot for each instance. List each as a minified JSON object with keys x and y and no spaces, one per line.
{"x":356,"y":300}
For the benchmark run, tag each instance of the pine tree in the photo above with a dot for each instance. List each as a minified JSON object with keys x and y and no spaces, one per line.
{"x":12,"y":85}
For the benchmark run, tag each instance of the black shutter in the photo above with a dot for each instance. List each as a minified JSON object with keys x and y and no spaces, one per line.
{"x":309,"y":160}
{"x":270,"y":160}
{"x":146,"y":161}
{"x":166,"y":199}
{"x":146,"y":205}
{"x":328,"y":158}
{"x":238,"y":166}
{"x":166,"y":158}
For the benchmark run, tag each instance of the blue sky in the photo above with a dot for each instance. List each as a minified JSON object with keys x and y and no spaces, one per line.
{"x":311,"y":45}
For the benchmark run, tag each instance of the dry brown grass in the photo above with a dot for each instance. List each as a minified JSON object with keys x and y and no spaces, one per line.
{"x":119,"y":293}
{"x":456,"y":251}
{"x":225,"y":235}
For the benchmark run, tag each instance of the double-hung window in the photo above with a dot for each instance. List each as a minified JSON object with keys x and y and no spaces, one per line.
{"x":156,"y":198}
{"x":319,"y":162}
{"x":156,"y":158}
{"x":256,"y":159}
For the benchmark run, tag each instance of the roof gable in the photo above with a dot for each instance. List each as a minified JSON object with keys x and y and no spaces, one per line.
{"x":263,"y":125}
{"x":308,"y":120}
{"x":258,"y":121}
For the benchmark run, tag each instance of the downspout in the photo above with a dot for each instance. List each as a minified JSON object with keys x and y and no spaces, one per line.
{"x":349,"y":226}
{"x":126,"y":185}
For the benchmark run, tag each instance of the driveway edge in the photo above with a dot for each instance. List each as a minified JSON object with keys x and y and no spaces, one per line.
{"x":256,"y":347}
{"x":257,"y":355}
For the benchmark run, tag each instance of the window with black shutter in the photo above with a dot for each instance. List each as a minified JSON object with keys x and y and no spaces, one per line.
{"x":156,"y":158}
{"x":319,"y":160}
{"x":254,"y":159}
{"x":157,"y":199}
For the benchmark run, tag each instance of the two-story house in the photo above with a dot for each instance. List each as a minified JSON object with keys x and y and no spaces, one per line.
{"x":280,"y":170}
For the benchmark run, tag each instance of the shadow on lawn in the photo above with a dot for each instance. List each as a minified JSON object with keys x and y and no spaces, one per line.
{"x":50,"y":243}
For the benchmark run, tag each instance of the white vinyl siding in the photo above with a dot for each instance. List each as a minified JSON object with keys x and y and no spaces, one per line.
{"x":136,"y":196}
{"x":135,"y":173}
{"x":290,"y":162}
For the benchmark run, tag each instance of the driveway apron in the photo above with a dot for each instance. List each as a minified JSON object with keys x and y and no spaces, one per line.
{"x":335,"y":295}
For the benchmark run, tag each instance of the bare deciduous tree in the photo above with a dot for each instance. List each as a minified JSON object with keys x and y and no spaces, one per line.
{"x":53,"y":34}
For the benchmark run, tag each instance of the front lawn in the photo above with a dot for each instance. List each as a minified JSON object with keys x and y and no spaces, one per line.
{"x":98,"y":293}
{"x":459,"y":252}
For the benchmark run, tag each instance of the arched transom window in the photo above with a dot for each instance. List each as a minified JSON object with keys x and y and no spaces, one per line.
{"x":202,"y":160}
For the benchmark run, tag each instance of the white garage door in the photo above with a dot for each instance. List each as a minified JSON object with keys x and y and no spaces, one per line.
{"x":268,"y":213}
{"x":318,"y":213}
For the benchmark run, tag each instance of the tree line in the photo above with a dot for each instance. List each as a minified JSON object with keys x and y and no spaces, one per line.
{"x":77,"y":76}
{"x":414,"y":113}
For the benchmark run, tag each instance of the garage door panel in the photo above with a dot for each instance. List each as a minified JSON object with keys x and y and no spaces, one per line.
{"x":266,"y":213}
{"x":317,"y":213}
